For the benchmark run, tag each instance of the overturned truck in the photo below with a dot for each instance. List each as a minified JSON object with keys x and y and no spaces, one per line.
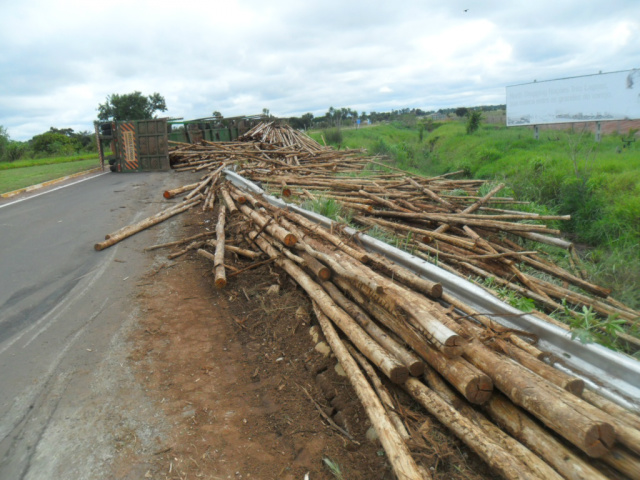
{"x":143,"y":145}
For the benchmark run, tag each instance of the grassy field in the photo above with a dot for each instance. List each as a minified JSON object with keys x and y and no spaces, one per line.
{"x":563,"y":172}
{"x":32,"y":172}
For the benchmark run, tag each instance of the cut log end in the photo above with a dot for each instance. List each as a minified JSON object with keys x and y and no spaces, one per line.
{"x":99,"y":246}
{"x":454,"y":346}
{"x":221,"y":283}
{"x":399,"y":374}
{"x":479,"y":390}
{"x":290,"y":240}
{"x":575,"y":386}
{"x":436,"y":291}
{"x":599,"y":440}
{"x":167,"y":194}
{"x":324,"y":273}
{"x":286,"y":192}
{"x":416,"y":369}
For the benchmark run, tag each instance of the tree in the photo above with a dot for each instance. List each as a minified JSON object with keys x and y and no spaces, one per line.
{"x":131,"y":106}
{"x":4,"y":141}
{"x":50,"y":143}
{"x":462,"y":111}
{"x":217,"y":114}
{"x":474,"y":118}
{"x":307,"y":120}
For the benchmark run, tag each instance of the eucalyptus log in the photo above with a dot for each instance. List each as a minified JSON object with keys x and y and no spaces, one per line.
{"x":192,"y":246}
{"x":320,"y":231}
{"x":228,"y":201}
{"x":200,"y":186}
{"x":575,"y":420}
{"x":319,"y":270}
{"x":467,"y":379}
{"x":473,"y":436}
{"x":272,"y":228}
{"x":612,"y":408}
{"x":219,"y":271}
{"x":534,"y":464}
{"x":391,"y":367}
{"x":243,"y":252}
{"x":180,"y":242}
{"x":144,"y":224}
{"x":398,"y":453}
{"x":382,"y":392}
{"x":406,"y":276}
{"x":568,"y":382}
{"x":539,"y":440}
{"x":410,"y":360}
{"x":177,"y":191}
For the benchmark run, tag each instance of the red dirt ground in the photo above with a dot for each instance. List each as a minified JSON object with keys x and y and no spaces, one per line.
{"x":228,"y":369}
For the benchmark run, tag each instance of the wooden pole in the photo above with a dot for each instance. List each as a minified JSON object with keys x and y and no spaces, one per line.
{"x":398,"y":453}
{"x":220,"y":274}
{"x":391,"y":367}
{"x":144,"y":224}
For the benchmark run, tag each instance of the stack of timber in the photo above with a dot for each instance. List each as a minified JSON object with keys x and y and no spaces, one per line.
{"x":393,"y":331}
{"x":488,"y":385}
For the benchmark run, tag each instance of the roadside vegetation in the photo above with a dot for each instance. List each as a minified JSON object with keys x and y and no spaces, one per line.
{"x":47,"y":156}
{"x":564,"y":172}
{"x":16,"y":178}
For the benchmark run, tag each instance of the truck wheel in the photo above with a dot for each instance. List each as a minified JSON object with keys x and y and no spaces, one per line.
{"x":111,"y":159}
{"x":113,"y":168}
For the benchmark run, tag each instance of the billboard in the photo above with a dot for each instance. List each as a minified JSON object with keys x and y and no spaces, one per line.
{"x":590,"y":98}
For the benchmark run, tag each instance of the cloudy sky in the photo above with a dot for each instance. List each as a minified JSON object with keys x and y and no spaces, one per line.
{"x":59,"y":59}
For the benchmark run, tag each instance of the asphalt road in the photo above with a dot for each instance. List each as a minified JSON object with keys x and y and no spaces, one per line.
{"x":62,"y":310}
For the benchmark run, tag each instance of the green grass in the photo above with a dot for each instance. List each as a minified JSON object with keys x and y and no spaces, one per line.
{"x":16,"y":178}
{"x":598,"y":184}
{"x":32,"y":162}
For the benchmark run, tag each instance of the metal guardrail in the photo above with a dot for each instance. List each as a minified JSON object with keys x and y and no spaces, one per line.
{"x":612,"y":374}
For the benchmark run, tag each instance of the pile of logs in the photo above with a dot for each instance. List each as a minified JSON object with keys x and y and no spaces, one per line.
{"x":281,"y":134}
{"x":489,"y":385}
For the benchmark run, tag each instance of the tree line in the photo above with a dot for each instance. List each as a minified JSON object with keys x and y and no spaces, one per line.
{"x":135,"y":106}
{"x":59,"y":142}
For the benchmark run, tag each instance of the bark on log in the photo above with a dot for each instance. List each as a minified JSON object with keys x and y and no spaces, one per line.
{"x":611,"y":408}
{"x":474,"y":437}
{"x":321,"y":271}
{"x":568,"y":382}
{"x":577,"y":421}
{"x":272,"y":228}
{"x":475,"y":385}
{"x":531,"y":434}
{"x":228,"y":201}
{"x":142,"y":225}
{"x":382,"y":392}
{"x":219,"y":271}
{"x":534,"y":464}
{"x":243,"y":251}
{"x":177,"y":191}
{"x":405,"y":276}
{"x":391,"y":367}
{"x":179,"y":242}
{"x":411,"y":361}
{"x":399,"y":455}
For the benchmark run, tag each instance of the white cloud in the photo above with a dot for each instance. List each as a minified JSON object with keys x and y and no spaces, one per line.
{"x":59,"y":60}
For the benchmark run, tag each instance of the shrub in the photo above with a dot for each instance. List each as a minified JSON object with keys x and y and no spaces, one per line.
{"x":333,"y":136}
{"x":473,"y":121}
